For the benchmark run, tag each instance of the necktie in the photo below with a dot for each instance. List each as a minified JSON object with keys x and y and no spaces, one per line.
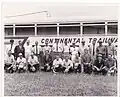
{"x":46,"y":57}
{"x":11,"y":47}
{"x":36,"y":50}
{"x":93,"y":50}
{"x":57,"y":46}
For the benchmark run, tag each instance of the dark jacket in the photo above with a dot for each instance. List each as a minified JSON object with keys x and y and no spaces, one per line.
{"x":47,"y":60}
{"x":99,"y":64}
{"x":18,"y":50}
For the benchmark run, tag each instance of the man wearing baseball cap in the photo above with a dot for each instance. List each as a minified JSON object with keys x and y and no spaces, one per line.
{"x":57,"y":64}
{"x":67,"y":65}
{"x":9,"y":62}
{"x":21,"y":63}
{"x":33,"y":63}
{"x":99,"y":66}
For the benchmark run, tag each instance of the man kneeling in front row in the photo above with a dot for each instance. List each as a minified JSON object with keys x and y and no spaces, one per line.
{"x":86,"y":60}
{"x":67,"y":65}
{"x":111,"y":65}
{"x":47,"y":61}
{"x":21,"y":63}
{"x":57,"y":65}
{"x":99,"y":65}
{"x":9,"y":62}
{"x":33,"y":63}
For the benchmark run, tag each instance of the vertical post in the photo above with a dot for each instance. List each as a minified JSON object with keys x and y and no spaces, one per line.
{"x":57,"y":45}
{"x":35,"y":29}
{"x":81,"y":29}
{"x":106,"y":28}
{"x":57,"y":29}
{"x":14,"y":30}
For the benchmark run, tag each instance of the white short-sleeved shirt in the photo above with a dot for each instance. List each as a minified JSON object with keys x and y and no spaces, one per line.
{"x":9,"y":59}
{"x":8,"y":47}
{"x":47,"y":48}
{"x":74,"y":50}
{"x":23,"y":60}
{"x":66,"y":48}
{"x":28,"y":48}
{"x":82,"y":48}
{"x":33,"y":60}
{"x":68,"y":63}
{"x":39,"y":48}
{"x":55,"y":62}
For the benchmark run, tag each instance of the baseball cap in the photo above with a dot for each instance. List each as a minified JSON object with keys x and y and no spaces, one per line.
{"x":20,"y":54}
{"x":83,"y":41}
{"x":99,"y":55}
{"x":100,"y":41}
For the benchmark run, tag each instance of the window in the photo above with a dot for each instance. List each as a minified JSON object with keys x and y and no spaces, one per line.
{"x":93,"y":23}
{"x":95,"y":29}
{"x":8,"y":31}
{"x":70,"y":30}
{"x":24,"y":25}
{"x":25,"y":31}
{"x":112,"y":22}
{"x":47,"y":30}
{"x":73,"y":24}
{"x":112,"y":29}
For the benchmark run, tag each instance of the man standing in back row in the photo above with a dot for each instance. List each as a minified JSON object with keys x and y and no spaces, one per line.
{"x":82,"y":47}
{"x":46,"y":48}
{"x":19,"y":49}
{"x":38,"y":51}
{"x":101,"y":49}
{"x":73,"y":50}
{"x":66,"y":49}
{"x":110,"y":49}
{"x":27,"y":50}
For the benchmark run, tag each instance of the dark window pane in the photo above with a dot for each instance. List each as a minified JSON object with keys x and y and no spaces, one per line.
{"x":25,"y":31}
{"x":69,"y":30}
{"x":93,"y":29}
{"x":112,"y":29}
{"x":47,"y":30}
{"x":8,"y":25}
{"x":8,"y":31}
{"x":95,"y":23}
{"x":112,"y":22}
{"x":24,"y":25}
{"x":70,"y":24}
{"x":45,"y":24}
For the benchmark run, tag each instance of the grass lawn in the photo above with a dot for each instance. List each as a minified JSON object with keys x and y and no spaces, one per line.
{"x":48,"y":84}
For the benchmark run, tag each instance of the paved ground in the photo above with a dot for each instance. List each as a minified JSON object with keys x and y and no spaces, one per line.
{"x":48,"y":84}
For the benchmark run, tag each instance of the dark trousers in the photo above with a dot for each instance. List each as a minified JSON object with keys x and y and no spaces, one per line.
{"x":58,"y":69}
{"x":45,"y":67}
{"x":36,"y":66}
{"x":41,"y":58}
{"x":10,"y":70}
{"x":21,"y":70}
{"x":70,"y":69}
{"x":87,"y":68}
{"x":78,"y":69}
{"x":102,"y":71}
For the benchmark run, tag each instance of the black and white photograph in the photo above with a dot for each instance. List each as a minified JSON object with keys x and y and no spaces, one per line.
{"x":60,"y":49}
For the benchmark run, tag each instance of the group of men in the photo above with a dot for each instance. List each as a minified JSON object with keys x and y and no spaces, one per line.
{"x":82,"y":59}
